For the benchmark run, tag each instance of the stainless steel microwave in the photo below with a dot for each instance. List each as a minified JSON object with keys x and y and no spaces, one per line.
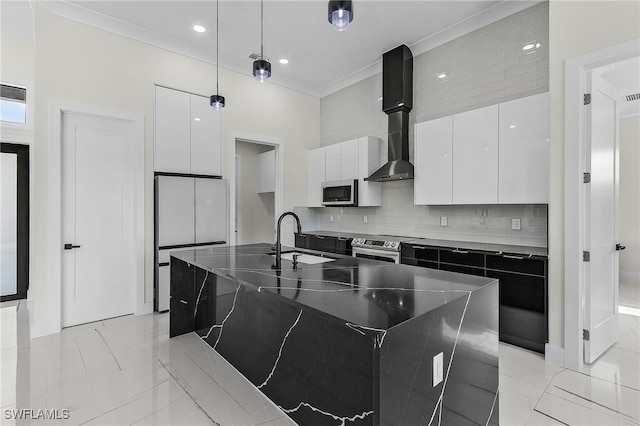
{"x":340,"y":193}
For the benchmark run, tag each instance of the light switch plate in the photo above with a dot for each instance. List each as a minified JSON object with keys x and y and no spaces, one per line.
{"x":330,"y":218}
{"x":438,"y":362}
{"x":365,"y":219}
{"x":443,"y":221}
{"x":515,"y":224}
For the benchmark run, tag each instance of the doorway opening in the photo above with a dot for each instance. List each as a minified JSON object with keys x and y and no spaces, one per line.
{"x":14,"y":216}
{"x":255,"y":188}
{"x":579,"y":72}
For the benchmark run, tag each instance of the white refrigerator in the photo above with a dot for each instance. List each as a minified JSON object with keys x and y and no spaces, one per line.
{"x":190,"y":212}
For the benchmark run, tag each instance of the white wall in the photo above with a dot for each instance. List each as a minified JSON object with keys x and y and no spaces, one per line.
{"x":630,"y":196}
{"x":575,"y":28}
{"x":256,"y":214}
{"x":79,"y":64}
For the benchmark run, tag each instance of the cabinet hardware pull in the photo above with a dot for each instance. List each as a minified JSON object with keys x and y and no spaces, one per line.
{"x":342,"y":239}
{"x":460,"y":251}
{"x":70,"y":246}
{"x":185,"y":302}
{"x":319,"y":237}
{"x":512,"y":257}
{"x":419,"y":247}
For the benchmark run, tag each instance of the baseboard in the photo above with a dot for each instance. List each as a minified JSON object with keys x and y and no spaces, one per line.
{"x":42,"y":329}
{"x":627,"y":276}
{"x":145,"y":308}
{"x":554,"y":354}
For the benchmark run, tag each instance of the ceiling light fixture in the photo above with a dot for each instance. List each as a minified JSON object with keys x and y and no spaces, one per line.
{"x":443,"y":75}
{"x":530,"y":46}
{"x":340,"y":14}
{"x":199,"y":28}
{"x":216,"y":100}
{"x":284,"y":61}
{"x":261,"y":67}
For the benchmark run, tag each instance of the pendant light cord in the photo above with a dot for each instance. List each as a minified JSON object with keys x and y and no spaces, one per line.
{"x":217,"y":44}
{"x":261,"y":29}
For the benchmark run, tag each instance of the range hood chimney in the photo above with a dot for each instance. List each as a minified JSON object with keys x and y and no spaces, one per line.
{"x":397,"y":102}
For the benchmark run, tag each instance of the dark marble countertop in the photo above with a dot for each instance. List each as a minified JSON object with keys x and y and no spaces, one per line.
{"x":469,"y":245}
{"x":365,"y":293}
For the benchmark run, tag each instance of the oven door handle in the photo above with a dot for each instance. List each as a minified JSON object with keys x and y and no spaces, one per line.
{"x":393,"y":255}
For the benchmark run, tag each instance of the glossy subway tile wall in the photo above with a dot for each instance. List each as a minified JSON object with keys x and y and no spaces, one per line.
{"x":399,"y":216}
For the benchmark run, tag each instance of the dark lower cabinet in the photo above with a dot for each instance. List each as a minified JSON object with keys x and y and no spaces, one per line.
{"x":182,"y":301}
{"x":523,"y":287}
{"x":338,"y":245}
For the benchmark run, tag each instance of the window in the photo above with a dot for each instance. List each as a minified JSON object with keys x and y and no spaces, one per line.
{"x":13,"y":103}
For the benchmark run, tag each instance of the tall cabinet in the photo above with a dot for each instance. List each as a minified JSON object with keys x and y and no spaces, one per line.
{"x":190,"y":194}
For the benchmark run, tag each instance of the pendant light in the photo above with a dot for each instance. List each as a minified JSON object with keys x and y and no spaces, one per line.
{"x":216,"y":100}
{"x":261,"y":67}
{"x":340,"y":14}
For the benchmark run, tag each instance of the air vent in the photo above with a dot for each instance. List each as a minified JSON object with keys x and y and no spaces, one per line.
{"x":634,"y":97}
{"x":255,"y":56}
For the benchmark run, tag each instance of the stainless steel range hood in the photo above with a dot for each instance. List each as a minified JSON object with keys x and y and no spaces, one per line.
{"x":397,"y":102}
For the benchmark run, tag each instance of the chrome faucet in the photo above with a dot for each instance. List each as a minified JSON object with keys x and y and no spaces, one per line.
{"x":278,"y":246}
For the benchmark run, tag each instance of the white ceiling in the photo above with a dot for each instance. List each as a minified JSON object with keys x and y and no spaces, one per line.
{"x":321,"y":60}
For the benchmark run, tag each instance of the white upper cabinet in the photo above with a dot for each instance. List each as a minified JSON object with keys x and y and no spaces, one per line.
{"x":369,"y":193}
{"x":187,"y":134}
{"x":433,"y":157}
{"x":353,"y":159}
{"x":349,"y":159}
{"x":475,"y":156}
{"x":173,"y":130}
{"x":524,"y":150}
{"x":267,"y":171}
{"x":333,"y":165}
{"x":205,"y":137}
{"x":316,"y":175}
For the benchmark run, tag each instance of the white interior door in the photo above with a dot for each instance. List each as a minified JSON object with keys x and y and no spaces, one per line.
{"x":601,"y":219}
{"x":97,"y":218}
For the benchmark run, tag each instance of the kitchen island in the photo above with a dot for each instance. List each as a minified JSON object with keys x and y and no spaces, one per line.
{"x":348,"y":341}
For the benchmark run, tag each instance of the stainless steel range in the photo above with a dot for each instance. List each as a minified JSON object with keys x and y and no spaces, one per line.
{"x":382,"y":247}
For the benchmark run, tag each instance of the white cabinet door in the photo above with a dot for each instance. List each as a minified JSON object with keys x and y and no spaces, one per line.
{"x":172,"y":131}
{"x":369,"y":193}
{"x":333,"y":166}
{"x":205,"y":137}
{"x":316,"y":175}
{"x":164,"y":278}
{"x":349,"y":159}
{"x":433,"y":162}
{"x":176,"y":206}
{"x":524,"y":151}
{"x":210,"y":210}
{"x":267,"y":171}
{"x":475,"y":156}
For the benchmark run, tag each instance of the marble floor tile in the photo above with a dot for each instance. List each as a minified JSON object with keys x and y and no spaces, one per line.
{"x":126,"y":370}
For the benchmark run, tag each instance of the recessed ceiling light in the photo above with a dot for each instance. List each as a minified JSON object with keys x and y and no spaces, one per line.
{"x":443,"y":75}
{"x":196,"y":119}
{"x":530,"y":46}
{"x":513,"y":126}
{"x":283,"y":61}
{"x":199,"y":28}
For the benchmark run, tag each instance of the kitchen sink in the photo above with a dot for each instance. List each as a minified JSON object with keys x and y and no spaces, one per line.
{"x":308,"y":259}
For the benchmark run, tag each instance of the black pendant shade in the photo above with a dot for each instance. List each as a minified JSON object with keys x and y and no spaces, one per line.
{"x":217,"y":101}
{"x":340,"y":14}
{"x":261,"y":69}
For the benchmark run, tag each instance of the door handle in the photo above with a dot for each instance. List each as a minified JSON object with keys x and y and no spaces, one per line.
{"x":70,"y":246}
{"x":620,"y":247}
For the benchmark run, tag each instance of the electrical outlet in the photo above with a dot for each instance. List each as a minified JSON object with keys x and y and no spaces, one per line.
{"x":331,"y":218}
{"x":443,"y":221}
{"x":515,"y":224}
{"x":438,"y":362}
{"x":365,"y":219}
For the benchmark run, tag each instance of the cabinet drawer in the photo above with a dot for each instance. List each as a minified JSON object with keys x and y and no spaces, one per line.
{"x":516,"y":263}
{"x":462,"y":257}
{"x":419,"y":252}
{"x":462,"y":269}
{"x":418,"y":262}
{"x":302,"y":240}
{"x":322,"y":243}
{"x":343,"y":246}
{"x":521,"y":291}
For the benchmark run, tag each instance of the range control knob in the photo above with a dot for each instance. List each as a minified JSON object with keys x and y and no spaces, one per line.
{"x":386,"y":243}
{"x":394,"y":244}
